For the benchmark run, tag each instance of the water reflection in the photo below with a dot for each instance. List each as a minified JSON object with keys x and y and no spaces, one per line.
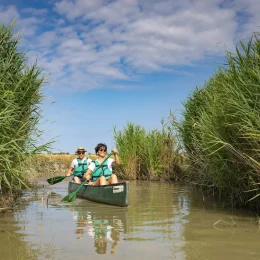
{"x":157,"y":219}
{"x":163,"y":221}
{"x":14,"y":234}
{"x":212,"y":232}
{"x":104,"y":224}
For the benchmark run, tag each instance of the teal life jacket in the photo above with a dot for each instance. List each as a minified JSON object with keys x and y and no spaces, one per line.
{"x":100,"y":227}
{"x":102,"y":171}
{"x":82,"y":167}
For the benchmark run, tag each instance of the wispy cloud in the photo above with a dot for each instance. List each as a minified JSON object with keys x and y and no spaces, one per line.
{"x":8,"y":13}
{"x":34,"y":11}
{"x":89,"y":44}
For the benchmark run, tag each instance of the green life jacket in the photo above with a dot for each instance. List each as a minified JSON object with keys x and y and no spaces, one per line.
{"x":100,"y":227}
{"x":102,"y":171}
{"x":81,"y":168}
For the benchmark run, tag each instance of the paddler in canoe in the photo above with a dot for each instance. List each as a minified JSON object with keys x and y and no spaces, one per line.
{"x":104,"y":175}
{"x":79,"y":165}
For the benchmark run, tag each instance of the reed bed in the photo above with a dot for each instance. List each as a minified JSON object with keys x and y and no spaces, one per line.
{"x":148,"y":155}
{"x":20,"y":99}
{"x":220,"y":129}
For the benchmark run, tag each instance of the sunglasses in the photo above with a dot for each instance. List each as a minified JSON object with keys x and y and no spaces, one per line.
{"x":103,"y":150}
{"x":81,"y":152}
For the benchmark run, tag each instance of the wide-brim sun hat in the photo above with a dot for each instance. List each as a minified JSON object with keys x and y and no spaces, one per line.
{"x":81,"y":148}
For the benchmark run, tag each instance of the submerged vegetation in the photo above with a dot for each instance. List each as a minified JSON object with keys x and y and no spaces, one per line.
{"x":150,"y":155}
{"x":20,"y":97}
{"x":221,"y":129}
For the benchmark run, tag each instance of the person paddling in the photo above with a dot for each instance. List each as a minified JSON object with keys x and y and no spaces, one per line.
{"x":79,"y":165}
{"x":104,"y":175}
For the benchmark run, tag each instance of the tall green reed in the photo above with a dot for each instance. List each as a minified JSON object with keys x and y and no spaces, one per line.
{"x":20,"y":98}
{"x":221,"y":128}
{"x":148,"y":154}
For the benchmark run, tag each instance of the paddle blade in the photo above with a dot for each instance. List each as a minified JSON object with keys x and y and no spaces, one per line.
{"x":56,"y":179}
{"x":73,"y":198}
{"x":70,"y":197}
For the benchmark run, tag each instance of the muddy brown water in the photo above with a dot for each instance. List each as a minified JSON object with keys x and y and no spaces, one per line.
{"x":163,"y":221}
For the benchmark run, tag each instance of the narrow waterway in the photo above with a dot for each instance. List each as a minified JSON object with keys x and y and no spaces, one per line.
{"x":163,"y":221}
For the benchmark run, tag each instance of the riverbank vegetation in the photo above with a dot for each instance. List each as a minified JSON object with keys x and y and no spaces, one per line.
{"x":220,"y":129}
{"x":20,"y":98}
{"x":148,"y":155}
{"x":218,"y":137}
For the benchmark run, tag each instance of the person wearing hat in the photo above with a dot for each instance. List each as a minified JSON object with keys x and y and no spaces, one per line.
{"x":79,"y":165}
{"x":103,"y":175}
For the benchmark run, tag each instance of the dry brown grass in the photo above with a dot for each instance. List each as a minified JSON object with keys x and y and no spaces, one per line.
{"x":65,"y":159}
{"x":48,"y":165}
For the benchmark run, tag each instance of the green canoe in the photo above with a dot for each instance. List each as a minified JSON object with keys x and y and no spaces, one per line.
{"x":114,"y":194}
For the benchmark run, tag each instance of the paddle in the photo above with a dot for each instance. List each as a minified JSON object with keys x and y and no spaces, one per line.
{"x":57,"y":179}
{"x":72,"y":196}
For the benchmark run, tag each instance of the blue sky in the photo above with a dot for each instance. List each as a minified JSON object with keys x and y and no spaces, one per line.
{"x":111,"y":62}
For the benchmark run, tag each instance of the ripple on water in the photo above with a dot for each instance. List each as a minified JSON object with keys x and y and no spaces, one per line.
{"x":162,"y":221}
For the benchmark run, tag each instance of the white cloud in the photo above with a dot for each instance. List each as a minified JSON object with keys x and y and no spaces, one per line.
{"x":94,"y":42}
{"x":29,"y":25}
{"x":252,"y":24}
{"x":8,"y":14}
{"x":75,"y":9}
{"x":34,"y":11}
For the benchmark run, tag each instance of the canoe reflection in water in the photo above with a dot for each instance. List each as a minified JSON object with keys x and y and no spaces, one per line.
{"x":104,"y":224}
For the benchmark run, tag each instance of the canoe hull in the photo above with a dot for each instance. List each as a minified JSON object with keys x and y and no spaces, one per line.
{"x":114,"y":194}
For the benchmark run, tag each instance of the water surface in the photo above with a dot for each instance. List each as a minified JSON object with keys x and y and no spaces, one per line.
{"x":163,"y":221}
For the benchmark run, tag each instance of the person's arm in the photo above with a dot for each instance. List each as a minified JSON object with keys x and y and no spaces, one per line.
{"x":71,"y":169}
{"x":87,"y":174}
{"x":90,"y":169}
{"x":117,"y":160}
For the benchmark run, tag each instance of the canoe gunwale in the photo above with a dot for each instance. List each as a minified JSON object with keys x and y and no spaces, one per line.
{"x":114,"y":184}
